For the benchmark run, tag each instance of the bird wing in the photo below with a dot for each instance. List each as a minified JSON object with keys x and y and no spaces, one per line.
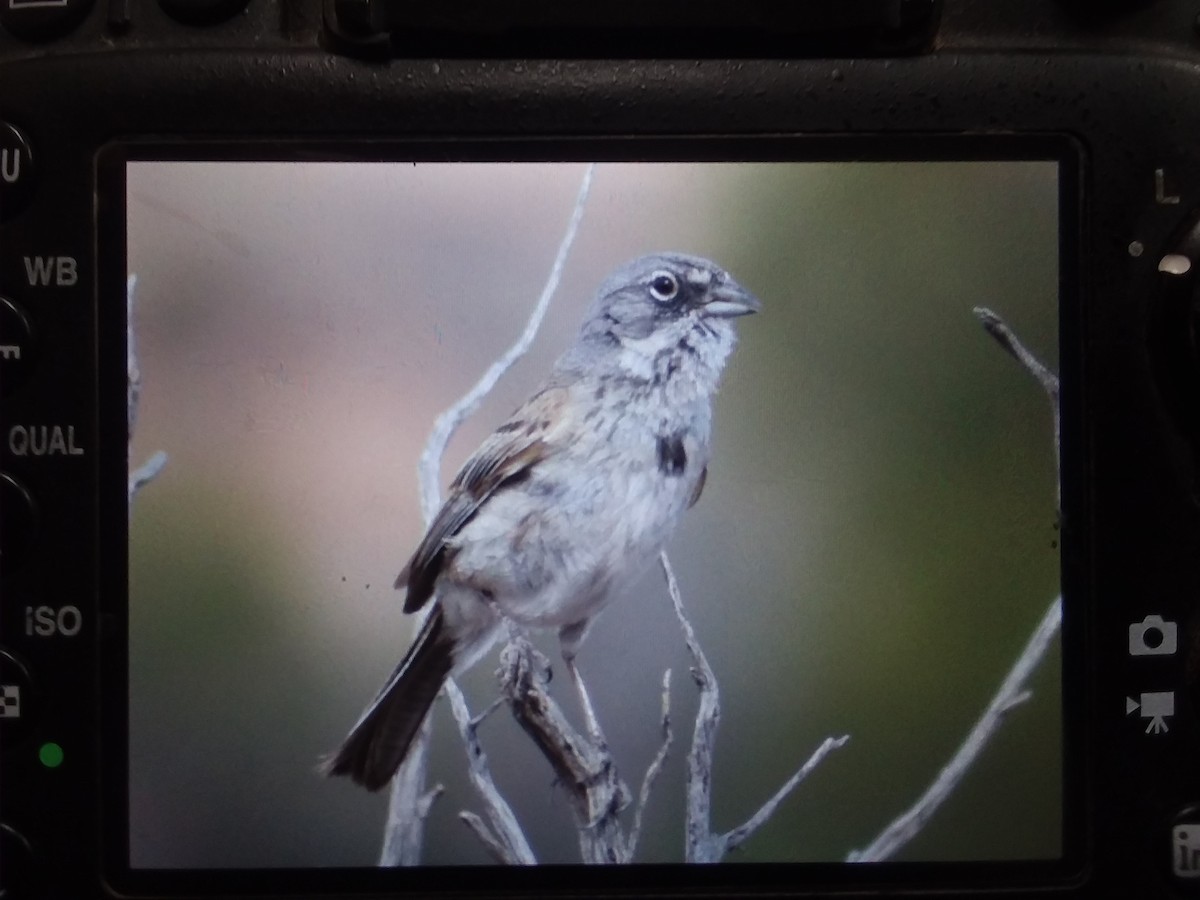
{"x":505,"y":458}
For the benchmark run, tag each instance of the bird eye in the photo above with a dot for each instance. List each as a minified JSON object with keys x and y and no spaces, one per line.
{"x":664,"y":286}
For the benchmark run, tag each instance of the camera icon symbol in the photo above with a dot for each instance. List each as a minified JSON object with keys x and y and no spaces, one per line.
{"x":1153,"y":636}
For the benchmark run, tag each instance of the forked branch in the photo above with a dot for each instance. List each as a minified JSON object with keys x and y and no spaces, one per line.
{"x":701,"y":844}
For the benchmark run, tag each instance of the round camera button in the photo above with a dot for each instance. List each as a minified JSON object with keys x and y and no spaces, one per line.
{"x":16,"y":346}
{"x":16,"y":874}
{"x":17,"y":523}
{"x":16,"y":164}
{"x":17,"y":701}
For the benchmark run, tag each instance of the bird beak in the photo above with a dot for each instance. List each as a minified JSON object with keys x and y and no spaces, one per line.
{"x":729,"y":300}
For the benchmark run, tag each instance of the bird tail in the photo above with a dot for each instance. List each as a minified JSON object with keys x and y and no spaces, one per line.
{"x":380,"y":740}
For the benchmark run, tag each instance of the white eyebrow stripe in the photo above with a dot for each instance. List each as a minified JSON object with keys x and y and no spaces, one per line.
{"x":699,"y":277}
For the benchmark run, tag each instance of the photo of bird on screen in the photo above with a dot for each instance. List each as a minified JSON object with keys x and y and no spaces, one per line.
{"x":570,"y":499}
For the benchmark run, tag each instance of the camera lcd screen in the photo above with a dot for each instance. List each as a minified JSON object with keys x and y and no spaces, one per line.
{"x":875,"y":542}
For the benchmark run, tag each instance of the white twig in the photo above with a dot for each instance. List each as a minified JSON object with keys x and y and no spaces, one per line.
{"x":148,"y":470}
{"x":449,"y":421}
{"x":998,"y":329}
{"x":655,"y":767}
{"x":904,"y":828}
{"x":700,"y":843}
{"x":403,"y":832}
{"x":408,"y":805}
{"x":737,"y":836}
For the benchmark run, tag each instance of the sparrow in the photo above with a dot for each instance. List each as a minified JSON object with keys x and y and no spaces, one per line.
{"x":570,"y":499}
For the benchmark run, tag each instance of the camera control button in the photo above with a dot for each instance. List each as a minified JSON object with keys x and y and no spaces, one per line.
{"x":1185,"y":847}
{"x":1174,"y":329}
{"x":18,"y":703}
{"x":17,"y":871}
{"x":202,"y":12}
{"x":16,"y":163}
{"x":17,"y":522}
{"x":16,"y":346}
{"x":42,"y":20}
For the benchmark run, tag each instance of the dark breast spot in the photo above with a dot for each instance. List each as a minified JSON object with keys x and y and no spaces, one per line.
{"x":672,"y":457}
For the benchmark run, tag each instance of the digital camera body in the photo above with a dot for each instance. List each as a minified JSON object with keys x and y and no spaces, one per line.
{"x":90,"y":91}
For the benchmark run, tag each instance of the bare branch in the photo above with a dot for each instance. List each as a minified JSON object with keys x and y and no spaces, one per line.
{"x":736,"y":837}
{"x":998,"y":329}
{"x":146,"y":472}
{"x":404,"y":830}
{"x":904,"y":828}
{"x":449,"y":421}
{"x":149,"y":470}
{"x":505,"y":832}
{"x":655,"y":767}
{"x":700,"y":844}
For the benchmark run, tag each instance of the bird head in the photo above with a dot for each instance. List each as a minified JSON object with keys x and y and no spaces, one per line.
{"x":664,"y":313}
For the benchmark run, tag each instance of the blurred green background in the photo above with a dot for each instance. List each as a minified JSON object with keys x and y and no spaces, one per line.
{"x":874,"y":546}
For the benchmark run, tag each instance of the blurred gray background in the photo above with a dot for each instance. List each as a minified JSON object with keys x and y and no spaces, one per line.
{"x":873,"y":548}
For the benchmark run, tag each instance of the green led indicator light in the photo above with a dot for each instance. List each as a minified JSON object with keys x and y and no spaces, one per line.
{"x":51,"y":755}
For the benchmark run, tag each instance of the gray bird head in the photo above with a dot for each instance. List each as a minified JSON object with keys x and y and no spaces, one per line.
{"x":663,"y":313}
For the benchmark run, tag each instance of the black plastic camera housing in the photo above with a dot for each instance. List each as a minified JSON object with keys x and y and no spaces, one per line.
{"x":1111,"y":91}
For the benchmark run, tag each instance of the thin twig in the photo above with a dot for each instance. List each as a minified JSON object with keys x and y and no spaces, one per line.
{"x":700,"y":844}
{"x":655,"y":767}
{"x":737,"y":836}
{"x":449,"y":421}
{"x":998,"y":329}
{"x":906,"y":826}
{"x":148,"y":470}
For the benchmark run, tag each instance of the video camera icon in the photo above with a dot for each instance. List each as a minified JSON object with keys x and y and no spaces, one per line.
{"x":1157,"y":706}
{"x":1153,"y":636}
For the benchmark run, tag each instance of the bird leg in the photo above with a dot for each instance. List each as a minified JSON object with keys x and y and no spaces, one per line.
{"x":570,"y":637}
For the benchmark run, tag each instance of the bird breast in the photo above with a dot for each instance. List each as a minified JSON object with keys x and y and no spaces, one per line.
{"x":553,"y":549}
